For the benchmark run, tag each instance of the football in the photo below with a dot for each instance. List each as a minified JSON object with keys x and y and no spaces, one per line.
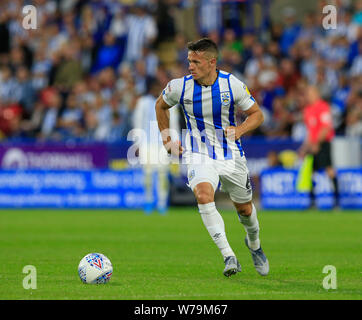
{"x":95,"y":268}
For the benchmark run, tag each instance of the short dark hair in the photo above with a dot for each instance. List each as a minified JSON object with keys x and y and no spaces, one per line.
{"x":204,"y":44}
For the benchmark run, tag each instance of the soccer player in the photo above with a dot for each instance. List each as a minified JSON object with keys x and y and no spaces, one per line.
{"x":209,"y":99}
{"x":152,"y":154}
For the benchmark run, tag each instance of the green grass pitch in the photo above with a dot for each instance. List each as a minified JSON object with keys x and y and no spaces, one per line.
{"x":173,"y":257}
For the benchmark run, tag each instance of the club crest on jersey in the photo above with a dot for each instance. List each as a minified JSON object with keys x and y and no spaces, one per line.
{"x":225,"y":98}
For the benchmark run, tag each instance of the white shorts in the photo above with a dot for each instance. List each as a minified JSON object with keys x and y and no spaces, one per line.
{"x":233,"y":176}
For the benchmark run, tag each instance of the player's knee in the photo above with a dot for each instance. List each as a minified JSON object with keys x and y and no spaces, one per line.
{"x":244,"y":209}
{"x":204,"y":193}
{"x":204,"y":197}
{"x":245,"y":213}
{"x":330,"y":172}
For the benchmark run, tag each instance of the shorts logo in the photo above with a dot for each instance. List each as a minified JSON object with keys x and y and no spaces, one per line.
{"x":191,"y":175}
{"x":248,"y":184}
{"x":225,"y":98}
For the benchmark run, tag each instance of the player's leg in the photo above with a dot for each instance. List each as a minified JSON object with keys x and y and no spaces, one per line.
{"x":326,"y":149}
{"x":323,"y":161}
{"x":148,"y":184}
{"x":203,"y":181}
{"x":162,"y":188}
{"x":331,"y":172}
{"x":214,"y":223}
{"x":212,"y":219}
{"x":237,"y":184}
{"x":248,"y":217}
{"x":162,"y":168}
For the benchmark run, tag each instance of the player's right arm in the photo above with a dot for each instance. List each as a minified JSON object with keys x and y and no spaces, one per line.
{"x":168,"y":98}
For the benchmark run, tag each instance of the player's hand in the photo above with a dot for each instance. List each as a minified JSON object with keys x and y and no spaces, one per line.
{"x":232,"y":133}
{"x":314,"y":148}
{"x":174,"y":147}
{"x":302,"y":152}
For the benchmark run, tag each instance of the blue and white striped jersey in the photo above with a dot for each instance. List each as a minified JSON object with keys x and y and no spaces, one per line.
{"x":208,"y":111}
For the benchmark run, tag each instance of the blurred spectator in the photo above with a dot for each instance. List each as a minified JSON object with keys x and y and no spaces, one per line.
{"x":69,"y":69}
{"x":273,"y":160}
{"x":269,"y":88}
{"x":354,"y":123}
{"x":8,"y":86}
{"x":49,"y":125}
{"x":210,"y":16}
{"x":339,"y":101}
{"x":141,"y":77}
{"x":165,"y":20}
{"x":69,"y":123}
{"x":310,"y":29}
{"x":87,"y":52}
{"x":32,"y":126}
{"x":4,"y":33}
{"x":291,"y":30}
{"x":117,"y":130}
{"x":248,"y":41}
{"x":10,"y":119}
{"x":181,"y":48}
{"x":259,"y":60}
{"x":288,"y":75}
{"x":25,"y":94}
{"x":109,"y":54}
{"x":151,"y":60}
{"x":142,"y":31}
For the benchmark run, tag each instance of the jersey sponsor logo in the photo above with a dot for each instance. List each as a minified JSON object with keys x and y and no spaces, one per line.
{"x":225,"y":98}
{"x":187,"y":101}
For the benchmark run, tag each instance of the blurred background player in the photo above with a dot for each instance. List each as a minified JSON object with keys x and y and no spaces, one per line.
{"x":152,"y":154}
{"x":320,"y":133}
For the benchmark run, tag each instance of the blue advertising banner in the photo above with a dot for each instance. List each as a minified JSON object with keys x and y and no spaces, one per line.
{"x":350,"y":188}
{"x":278,"y":190}
{"x":71,"y":189}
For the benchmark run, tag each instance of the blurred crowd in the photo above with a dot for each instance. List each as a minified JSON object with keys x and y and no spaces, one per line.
{"x":79,"y":74}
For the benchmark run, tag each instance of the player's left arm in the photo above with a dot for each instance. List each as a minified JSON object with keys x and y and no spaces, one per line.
{"x":254,"y":119}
